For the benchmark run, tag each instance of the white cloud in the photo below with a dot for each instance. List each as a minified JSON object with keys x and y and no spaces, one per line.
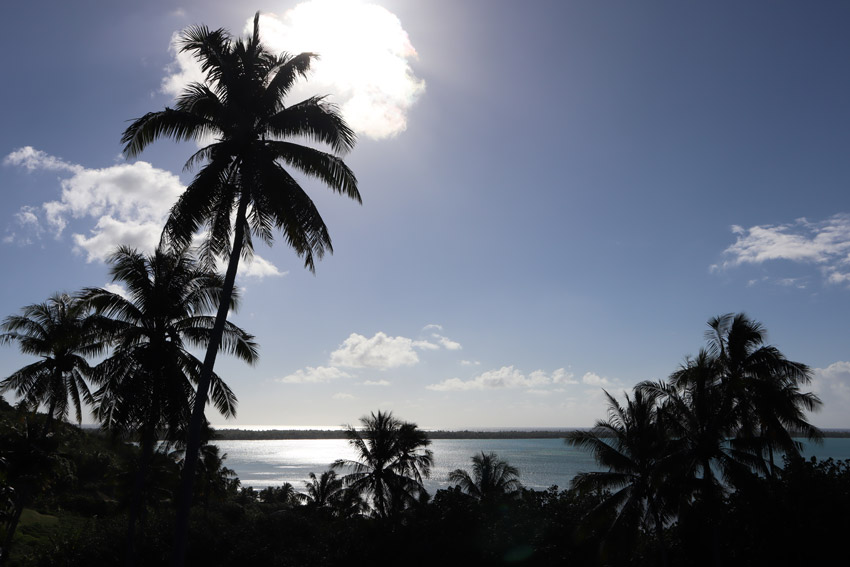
{"x":425,"y":345}
{"x":342,"y":396}
{"x":380,"y":351}
{"x":504,"y":377}
{"x":32,"y":159}
{"x":825,"y":244}
{"x":182,"y":71}
{"x":117,"y":289}
{"x":364,"y":62}
{"x":470,"y":362}
{"x":129,"y":203}
{"x":376,"y":383}
{"x":832,"y":386}
{"x":592,"y":379}
{"x":312,"y":375}
{"x":259,"y":267}
{"x":561,"y":376}
{"x":446,"y":342}
{"x":109,"y":233}
{"x":432,"y":327}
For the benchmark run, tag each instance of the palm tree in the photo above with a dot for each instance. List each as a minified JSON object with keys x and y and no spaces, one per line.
{"x":147,"y":384}
{"x":328,"y":491}
{"x":323,"y":490}
{"x":62,"y":333}
{"x":240,"y":104}
{"x":633,"y":445}
{"x":770,"y":408}
{"x":491,"y":478}
{"x":390,"y":466}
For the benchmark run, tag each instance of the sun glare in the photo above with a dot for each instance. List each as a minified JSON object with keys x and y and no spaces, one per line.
{"x":364,"y":59}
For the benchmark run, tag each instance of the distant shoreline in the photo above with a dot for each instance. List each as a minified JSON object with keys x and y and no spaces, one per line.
{"x":296,"y":434}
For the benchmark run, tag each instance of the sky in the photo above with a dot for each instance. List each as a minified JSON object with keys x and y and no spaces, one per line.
{"x":557,"y":195}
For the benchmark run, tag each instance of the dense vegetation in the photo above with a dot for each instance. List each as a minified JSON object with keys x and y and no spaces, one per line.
{"x":78,"y":491}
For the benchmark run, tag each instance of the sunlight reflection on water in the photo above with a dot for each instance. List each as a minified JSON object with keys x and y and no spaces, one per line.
{"x":542,"y":462}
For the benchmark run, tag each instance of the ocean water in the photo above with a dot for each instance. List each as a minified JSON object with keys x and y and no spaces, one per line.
{"x":541,"y":462}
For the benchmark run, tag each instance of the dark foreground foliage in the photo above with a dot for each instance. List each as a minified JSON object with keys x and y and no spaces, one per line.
{"x":76,"y":512}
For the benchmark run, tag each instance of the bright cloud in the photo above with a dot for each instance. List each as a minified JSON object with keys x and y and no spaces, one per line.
{"x":504,"y":377}
{"x":312,"y":375}
{"x":381,"y":351}
{"x":832,"y":386}
{"x":825,"y":244}
{"x":592,"y":379}
{"x":364,"y":61}
{"x":342,"y":396}
{"x":376,"y":383}
{"x":33,"y":159}
{"x":446,"y":342}
{"x":117,"y":289}
{"x":259,"y":267}
{"x":128,"y":203}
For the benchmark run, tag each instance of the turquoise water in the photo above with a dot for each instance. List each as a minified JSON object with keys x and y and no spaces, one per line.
{"x":541,"y":462}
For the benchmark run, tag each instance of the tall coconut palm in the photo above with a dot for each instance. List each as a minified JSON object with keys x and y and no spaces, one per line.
{"x":147,"y":384}
{"x":240,"y":105}
{"x":491,"y":478}
{"x":62,"y":333}
{"x":392,"y":462}
{"x":633,"y":445}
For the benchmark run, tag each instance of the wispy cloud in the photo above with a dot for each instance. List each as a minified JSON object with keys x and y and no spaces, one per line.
{"x":447,"y":343}
{"x":365,"y":57}
{"x":311,"y":375}
{"x":504,"y":378}
{"x":377,"y":383}
{"x":825,"y":244}
{"x":32,"y":159}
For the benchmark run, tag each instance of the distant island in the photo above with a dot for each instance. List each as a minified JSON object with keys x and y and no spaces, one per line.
{"x":295,"y":434}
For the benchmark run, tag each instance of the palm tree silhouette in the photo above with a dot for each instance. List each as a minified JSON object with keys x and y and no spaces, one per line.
{"x":633,"y":445}
{"x":323,"y":490}
{"x":240,"y":105}
{"x":147,"y":384}
{"x":770,"y":407}
{"x":62,"y":333}
{"x":491,"y":478}
{"x":390,"y":466}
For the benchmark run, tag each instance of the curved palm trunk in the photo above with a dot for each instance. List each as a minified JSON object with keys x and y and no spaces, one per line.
{"x":48,"y":422}
{"x":193,"y":443}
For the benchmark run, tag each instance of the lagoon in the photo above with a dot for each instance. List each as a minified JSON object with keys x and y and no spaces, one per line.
{"x":541,"y":462}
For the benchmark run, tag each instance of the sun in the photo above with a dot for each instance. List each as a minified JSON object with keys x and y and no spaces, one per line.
{"x":364,"y":59}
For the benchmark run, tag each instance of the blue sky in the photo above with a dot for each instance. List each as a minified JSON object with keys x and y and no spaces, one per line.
{"x":556,"y":195}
